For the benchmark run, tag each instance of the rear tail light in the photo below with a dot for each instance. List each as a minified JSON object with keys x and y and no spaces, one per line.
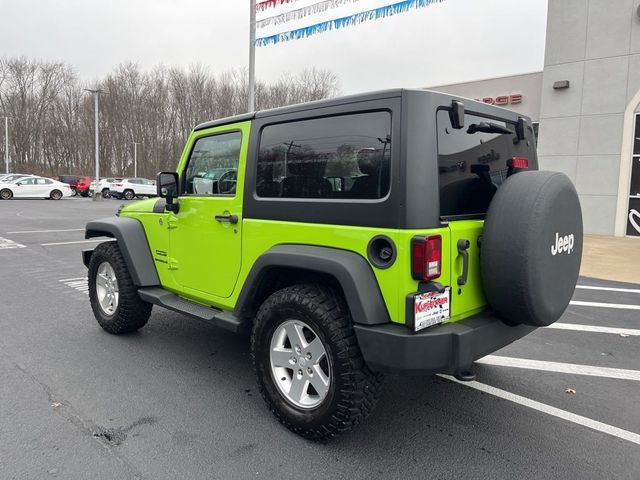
{"x":518,"y":162}
{"x":426,"y":257}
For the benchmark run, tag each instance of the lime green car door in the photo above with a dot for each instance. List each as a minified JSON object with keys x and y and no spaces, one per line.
{"x":205,"y":235}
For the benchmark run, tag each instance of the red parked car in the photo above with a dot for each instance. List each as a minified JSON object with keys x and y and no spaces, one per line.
{"x":79,"y":185}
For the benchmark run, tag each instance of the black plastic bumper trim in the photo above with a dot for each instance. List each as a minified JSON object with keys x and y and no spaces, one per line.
{"x":449,"y":348}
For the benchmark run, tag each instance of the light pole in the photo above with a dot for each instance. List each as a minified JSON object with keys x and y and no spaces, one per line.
{"x":96,"y":94}
{"x":135,"y":158}
{"x":252,"y":56}
{"x":6,"y":144}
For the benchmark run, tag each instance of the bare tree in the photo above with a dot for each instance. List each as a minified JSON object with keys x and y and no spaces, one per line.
{"x":52,"y":119}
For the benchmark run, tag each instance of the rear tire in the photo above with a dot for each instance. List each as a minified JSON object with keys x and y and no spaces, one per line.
{"x":55,"y":195}
{"x":6,"y":194}
{"x":74,"y":191}
{"x":128,"y":195}
{"x":105,"y":193}
{"x":319,"y":317}
{"x":128,"y":312}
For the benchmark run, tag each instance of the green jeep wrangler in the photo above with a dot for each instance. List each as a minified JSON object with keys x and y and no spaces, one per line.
{"x":402,"y":231}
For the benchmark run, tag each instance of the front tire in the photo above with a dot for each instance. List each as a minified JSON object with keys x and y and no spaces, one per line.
{"x":308,"y":364}
{"x":55,"y":195}
{"x":114,"y":298}
{"x":129,"y":195}
{"x":6,"y":194}
{"x":74,"y":191}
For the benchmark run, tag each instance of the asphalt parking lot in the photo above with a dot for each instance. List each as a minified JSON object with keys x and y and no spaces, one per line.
{"x":178,"y":399}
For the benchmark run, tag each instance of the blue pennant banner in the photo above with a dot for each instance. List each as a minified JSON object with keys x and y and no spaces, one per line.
{"x":351,"y":20}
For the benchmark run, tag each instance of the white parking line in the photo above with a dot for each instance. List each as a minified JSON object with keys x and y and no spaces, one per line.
{"x":553,"y":411}
{"x":6,"y":244}
{"x":609,"y":289}
{"x":49,"y":231}
{"x":592,"y":328}
{"x":80,"y":284}
{"x":558,"y":367}
{"x":76,"y":242}
{"x":621,"y":306}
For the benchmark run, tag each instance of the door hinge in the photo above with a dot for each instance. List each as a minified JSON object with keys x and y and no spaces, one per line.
{"x":172,"y":223}
{"x":173,"y":264}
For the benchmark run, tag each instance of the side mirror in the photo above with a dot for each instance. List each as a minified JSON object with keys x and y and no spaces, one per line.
{"x":168,"y":186}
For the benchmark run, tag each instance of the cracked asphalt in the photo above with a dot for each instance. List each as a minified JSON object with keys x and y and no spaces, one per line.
{"x":178,"y":399}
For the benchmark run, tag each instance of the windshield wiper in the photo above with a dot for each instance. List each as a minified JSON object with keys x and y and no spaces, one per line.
{"x":487,"y":127}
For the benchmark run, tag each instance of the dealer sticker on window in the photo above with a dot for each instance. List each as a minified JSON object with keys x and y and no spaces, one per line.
{"x":430,"y":308}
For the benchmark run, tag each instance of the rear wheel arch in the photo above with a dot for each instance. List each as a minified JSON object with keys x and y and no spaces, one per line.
{"x":347,"y":273}
{"x":277,"y":277}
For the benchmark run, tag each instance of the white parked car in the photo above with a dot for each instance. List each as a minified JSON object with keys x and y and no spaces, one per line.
{"x":34,"y":187}
{"x":105,"y":185}
{"x":130,"y":188}
{"x":13,"y":177}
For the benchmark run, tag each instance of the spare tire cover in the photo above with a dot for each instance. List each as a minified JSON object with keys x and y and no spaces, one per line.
{"x":532,"y":247}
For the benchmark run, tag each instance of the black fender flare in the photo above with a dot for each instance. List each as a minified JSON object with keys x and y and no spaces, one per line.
{"x":133,"y":244}
{"x":351,"y":271}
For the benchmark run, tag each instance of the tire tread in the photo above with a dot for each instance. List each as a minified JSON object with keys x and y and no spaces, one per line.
{"x":132,"y":312}
{"x":361,"y":386}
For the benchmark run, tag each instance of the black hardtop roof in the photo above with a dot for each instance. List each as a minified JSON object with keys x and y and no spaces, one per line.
{"x":363,"y":97}
{"x":359,"y":97}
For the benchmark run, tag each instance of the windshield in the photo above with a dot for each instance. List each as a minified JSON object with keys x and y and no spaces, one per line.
{"x":472,"y":161}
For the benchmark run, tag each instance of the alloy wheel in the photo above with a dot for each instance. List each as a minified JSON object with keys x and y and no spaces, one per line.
{"x":107,"y":288}
{"x":299,"y":364}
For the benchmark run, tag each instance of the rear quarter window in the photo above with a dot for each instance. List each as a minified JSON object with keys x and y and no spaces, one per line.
{"x":336,"y":157}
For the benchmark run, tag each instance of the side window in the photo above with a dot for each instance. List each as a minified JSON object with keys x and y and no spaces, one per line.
{"x":344,"y":156}
{"x":28,"y":181}
{"x":213,"y":165}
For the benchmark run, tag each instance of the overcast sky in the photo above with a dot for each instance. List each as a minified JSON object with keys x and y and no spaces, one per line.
{"x":448,"y":42}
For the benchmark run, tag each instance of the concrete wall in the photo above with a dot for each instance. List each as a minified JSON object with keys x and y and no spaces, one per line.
{"x":595,"y":44}
{"x":527,"y":84}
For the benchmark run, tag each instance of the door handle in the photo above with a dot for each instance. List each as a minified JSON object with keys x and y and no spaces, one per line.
{"x":463,"y":245}
{"x":233,"y":219}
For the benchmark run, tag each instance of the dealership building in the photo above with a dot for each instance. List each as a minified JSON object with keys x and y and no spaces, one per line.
{"x":585,"y":105}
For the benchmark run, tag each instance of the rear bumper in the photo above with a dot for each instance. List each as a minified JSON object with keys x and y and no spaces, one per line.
{"x":450,"y":348}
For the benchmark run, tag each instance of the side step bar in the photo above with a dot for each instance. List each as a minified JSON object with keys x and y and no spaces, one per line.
{"x":220,"y":318}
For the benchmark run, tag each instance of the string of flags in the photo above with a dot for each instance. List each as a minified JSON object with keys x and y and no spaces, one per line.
{"x":335,"y":24}
{"x":302,"y":12}
{"x":260,"y":6}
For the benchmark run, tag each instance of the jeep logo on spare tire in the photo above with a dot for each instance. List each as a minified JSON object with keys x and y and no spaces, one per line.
{"x":562,"y":244}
